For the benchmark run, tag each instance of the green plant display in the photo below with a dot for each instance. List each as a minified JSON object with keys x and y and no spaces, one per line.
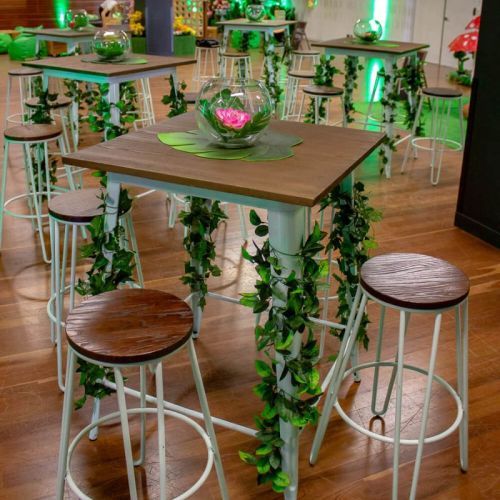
{"x":461,"y":76}
{"x":276,"y":338}
{"x":324,"y":73}
{"x":201,"y":220}
{"x":175,"y":98}
{"x":352,"y":241}
{"x":351,"y":68}
{"x":412,"y":81}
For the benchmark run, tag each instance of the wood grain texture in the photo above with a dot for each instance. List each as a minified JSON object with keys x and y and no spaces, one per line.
{"x":25,"y":72}
{"x":77,"y":65}
{"x":61,"y":102}
{"x":129,"y":326}
{"x":79,"y":206}
{"x":38,"y":132}
{"x":322,"y":90}
{"x":330,"y":154}
{"x":442,"y":91}
{"x":350,"y":44}
{"x":302,"y":73}
{"x":414,"y":281}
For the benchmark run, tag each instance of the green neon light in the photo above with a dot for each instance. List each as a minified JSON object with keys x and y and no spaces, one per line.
{"x":60,"y":8}
{"x":380,"y":11}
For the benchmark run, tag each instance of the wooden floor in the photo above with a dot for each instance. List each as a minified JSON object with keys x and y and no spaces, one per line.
{"x":417,"y":217}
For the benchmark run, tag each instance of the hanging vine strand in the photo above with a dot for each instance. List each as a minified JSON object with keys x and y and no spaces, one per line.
{"x":175,"y":99}
{"x":351,"y":68}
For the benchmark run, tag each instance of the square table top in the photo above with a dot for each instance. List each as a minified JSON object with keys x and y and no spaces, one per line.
{"x":61,"y":33}
{"x":382,"y":47}
{"x":326,"y":156}
{"x":268,"y":23}
{"x":75,"y":64}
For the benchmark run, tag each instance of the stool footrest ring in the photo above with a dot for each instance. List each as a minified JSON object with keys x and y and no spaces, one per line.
{"x":387,"y":439}
{"x":116,"y":415}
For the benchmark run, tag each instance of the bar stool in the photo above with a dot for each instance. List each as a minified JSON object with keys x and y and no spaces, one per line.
{"x":441,"y":99}
{"x":60,"y":107}
{"x":317,"y":93}
{"x":408,"y":283}
{"x":71,"y":212}
{"x":291,"y":91}
{"x":37,"y":172}
{"x":145,"y":103}
{"x":240,"y":65}
{"x":207,"y":57}
{"x":25,"y":78}
{"x":124,"y":329}
{"x":299,"y":57}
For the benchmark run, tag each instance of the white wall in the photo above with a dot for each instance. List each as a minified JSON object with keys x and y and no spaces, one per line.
{"x":408,"y":20}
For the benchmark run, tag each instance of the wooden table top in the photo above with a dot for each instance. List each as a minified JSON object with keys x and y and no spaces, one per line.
{"x":384,"y":46}
{"x":274,"y":23}
{"x":75,"y":64}
{"x":327,"y":155}
{"x":62,"y":33}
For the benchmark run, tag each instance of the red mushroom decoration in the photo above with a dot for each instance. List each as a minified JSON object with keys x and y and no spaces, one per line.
{"x":466,"y":42}
{"x":474,"y":24}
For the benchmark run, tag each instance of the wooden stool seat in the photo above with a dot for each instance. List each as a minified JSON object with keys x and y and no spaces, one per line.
{"x":306,"y":52}
{"x":79,"y":206}
{"x":25,"y":72}
{"x":32,"y":133}
{"x":129,"y":326}
{"x":441,"y":92}
{"x":414,"y":281}
{"x":321,"y":90}
{"x":296,"y":73}
{"x":236,"y":54}
{"x":60,"y":102}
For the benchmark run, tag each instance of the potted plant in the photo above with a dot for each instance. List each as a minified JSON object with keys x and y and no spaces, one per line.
{"x":137,"y":30}
{"x":184,"y":38}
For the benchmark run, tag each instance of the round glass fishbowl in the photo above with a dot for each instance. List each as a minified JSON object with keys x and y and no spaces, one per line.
{"x":77,"y":19}
{"x":232,"y":113}
{"x":255,"y":12}
{"x":111,"y":45}
{"x":368,"y":30}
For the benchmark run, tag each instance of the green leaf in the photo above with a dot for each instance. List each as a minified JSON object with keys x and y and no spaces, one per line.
{"x":262,"y":368}
{"x":281,"y":479}
{"x":254,"y":218}
{"x":261,"y":230}
{"x":247,"y":458}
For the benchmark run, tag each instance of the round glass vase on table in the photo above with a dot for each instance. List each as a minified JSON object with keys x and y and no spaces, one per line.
{"x":77,"y":19}
{"x":232,"y":113}
{"x":368,"y":30}
{"x":255,"y":12}
{"x":111,"y":45}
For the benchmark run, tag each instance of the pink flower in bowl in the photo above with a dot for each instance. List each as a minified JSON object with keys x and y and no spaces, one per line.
{"x":232,"y":118}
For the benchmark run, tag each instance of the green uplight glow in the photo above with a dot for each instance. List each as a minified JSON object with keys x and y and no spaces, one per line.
{"x":60,"y":8}
{"x":380,"y":12}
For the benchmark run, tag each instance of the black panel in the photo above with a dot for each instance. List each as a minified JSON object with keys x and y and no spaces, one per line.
{"x":159,"y":27}
{"x":478,"y":207}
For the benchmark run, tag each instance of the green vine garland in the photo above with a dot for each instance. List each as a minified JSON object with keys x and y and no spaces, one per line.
{"x":275,"y":339}
{"x":271,"y":78}
{"x":175,"y":98}
{"x":324,"y":73}
{"x":201,"y":220}
{"x":351,"y":240}
{"x":351,"y":68}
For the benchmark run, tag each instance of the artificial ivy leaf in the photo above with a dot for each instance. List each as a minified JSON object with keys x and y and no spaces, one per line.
{"x":247,"y":458}
{"x":263,"y":450}
{"x":261,"y":230}
{"x":263,"y":465}
{"x":262,"y":368}
{"x":281,"y":479}
{"x":255,"y":220}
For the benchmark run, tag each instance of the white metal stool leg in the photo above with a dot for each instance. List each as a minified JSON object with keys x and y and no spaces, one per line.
{"x":161,"y":431}
{"x":142,"y":449}
{"x":461,"y":319}
{"x":413,"y":133}
{"x":425,"y":412}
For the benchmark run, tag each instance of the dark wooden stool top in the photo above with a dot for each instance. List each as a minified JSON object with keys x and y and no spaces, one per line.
{"x":79,"y":206}
{"x":322,"y":90}
{"x":414,"y":281}
{"x":129,"y":326}
{"x":30,"y":133}
{"x":25,"y":72}
{"x":60,"y":102}
{"x":441,"y":92}
{"x":236,"y":54}
{"x":306,"y":52}
{"x":302,"y":73}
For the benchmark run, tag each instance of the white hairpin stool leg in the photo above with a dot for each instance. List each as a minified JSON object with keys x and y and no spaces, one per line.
{"x":413,"y":133}
{"x":461,"y":318}
{"x":142,"y":449}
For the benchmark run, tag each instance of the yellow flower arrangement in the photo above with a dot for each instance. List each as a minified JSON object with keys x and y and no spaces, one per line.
{"x":180,"y":28}
{"x":135,"y":24}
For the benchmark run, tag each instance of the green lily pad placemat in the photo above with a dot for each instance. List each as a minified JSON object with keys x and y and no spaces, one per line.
{"x":130,"y":60}
{"x":272,"y":145}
